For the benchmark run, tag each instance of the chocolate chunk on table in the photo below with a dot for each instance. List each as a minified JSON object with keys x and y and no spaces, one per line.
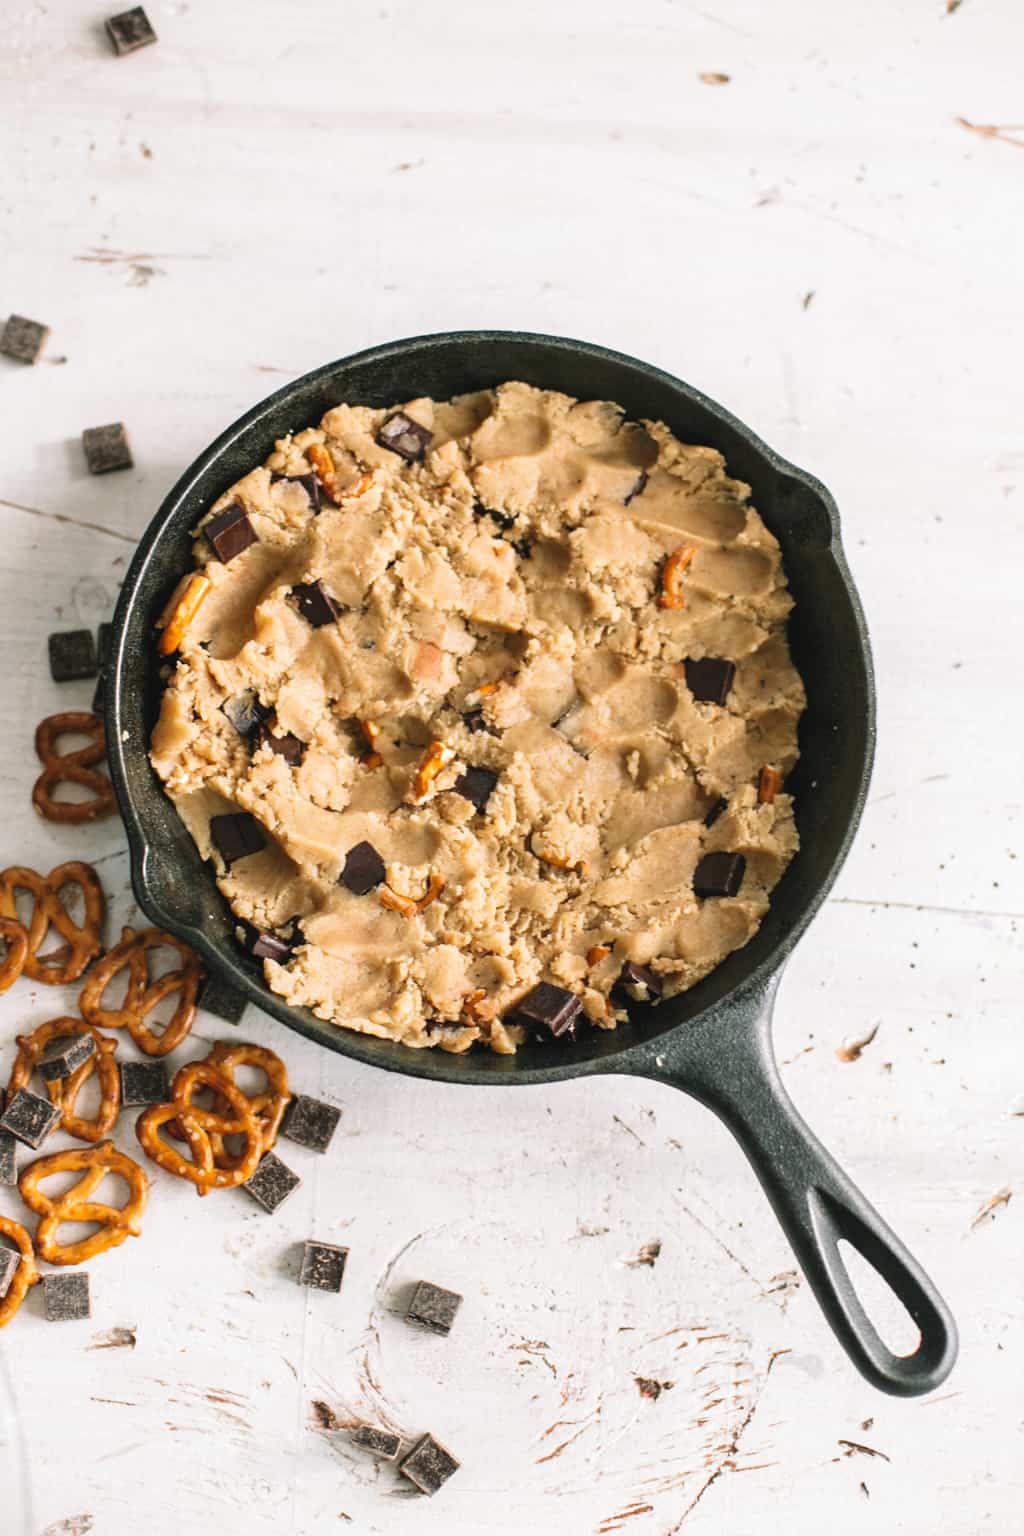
{"x":405,"y":437}
{"x":22,"y":339}
{"x":637,"y":984}
{"x":433,"y":1307}
{"x":709,"y":678}
{"x":715,"y":811}
{"x":719,"y":874}
{"x":9,"y":1261}
{"x":219,"y":997}
{"x":272,"y":1182}
{"x":282,"y":744}
{"x":106,"y":448}
{"x":66,"y":1297}
{"x":72,"y":655}
{"x":245,"y":712}
{"x":63,"y":1055}
{"x":310,"y":484}
{"x":547,"y":1008}
{"x":130,"y":30}
{"x":316,"y":604}
{"x":364,"y":869}
{"x":236,"y":836}
{"x":310,"y":1122}
{"x":30,"y":1118}
{"x":8,"y":1149}
{"x":323,"y":1266}
{"x":229,"y":533}
{"x":477,"y":785}
{"x":379,"y":1442}
{"x":428,"y":1465}
{"x":144,"y":1082}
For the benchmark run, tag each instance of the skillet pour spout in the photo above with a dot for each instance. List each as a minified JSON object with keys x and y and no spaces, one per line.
{"x":713,"y":1042}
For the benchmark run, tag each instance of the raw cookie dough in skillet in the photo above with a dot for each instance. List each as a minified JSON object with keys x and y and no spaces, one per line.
{"x":481,"y":695}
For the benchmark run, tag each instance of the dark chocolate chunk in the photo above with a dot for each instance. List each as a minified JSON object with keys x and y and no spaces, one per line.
{"x":265,"y":946}
{"x":547,"y":1008}
{"x":63,"y":1055}
{"x":310,"y":484}
{"x":719,"y":874}
{"x":22,"y":339}
{"x":310,"y":1122}
{"x":230,"y":532}
{"x":8,"y":1146}
{"x":236,"y":836}
{"x":316,"y":604}
{"x":72,"y":655}
{"x":715,"y":811}
{"x":130,"y":30}
{"x":709,"y":679}
{"x":144,"y":1082}
{"x":428,"y":1465}
{"x":477,"y":785}
{"x":9,"y":1261}
{"x":66,"y":1297}
{"x":433,"y":1307}
{"x":379,"y":1442}
{"x":245,"y":712}
{"x":503,"y":519}
{"x":30,"y":1118}
{"x":364,"y":869}
{"x":474,"y":721}
{"x":639,"y":486}
{"x":405,"y":437}
{"x":637,"y":984}
{"x":323,"y":1266}
{"x":106,"y":448}
{"x":272,"y":1182}
{"x":223,"y":1000}
{"x":522,"y":547}
{"x":282,"y":745}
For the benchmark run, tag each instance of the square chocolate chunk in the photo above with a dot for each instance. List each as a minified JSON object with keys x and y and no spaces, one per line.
{"x":709,"y":678}
{"x":236,"y":836}
{"x":106,"y":448}
{"x":364,"y":869}
{"x":316,"y":604}
{"x":66,"y":1297}
{"x":223,"y":1000}
{"x":63,"y":1055}
{"x":230,"y":532}
{"x":405,"y":437}
{"x":310,"y":484}
{"x":637,"y":984}
{"x":144,"y":1082}
{"x":130,"y":30}
{"x":282,"y":744}
{"x":310,"y":1122}
{"x":72,"y":655}
{"x":433,"y":1307}
{"x":23,"y":340}
{"x":272,"y":1182}
{"x":30,"y":1118}
{"x":245,"y":712}
{"x":323,"y":1266}
{"x":719,"y":874}
{"x":428,"y":1465}
{"x":548,"y":1008}
{"x":476,"y":785}
{"x":9,"y":1261}
{"x":379,"y":1442}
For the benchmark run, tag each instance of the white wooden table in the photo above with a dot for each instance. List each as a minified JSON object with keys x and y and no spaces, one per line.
{"x":822,"y":246}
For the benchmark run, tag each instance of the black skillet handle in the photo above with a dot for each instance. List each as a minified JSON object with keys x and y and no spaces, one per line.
{"x":732,"y":1070}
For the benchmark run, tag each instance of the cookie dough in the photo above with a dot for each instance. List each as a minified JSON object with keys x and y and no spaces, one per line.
{"x":438,"y":678}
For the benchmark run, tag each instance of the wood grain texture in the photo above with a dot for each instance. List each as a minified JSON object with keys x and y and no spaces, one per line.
{"x":822,"y":246}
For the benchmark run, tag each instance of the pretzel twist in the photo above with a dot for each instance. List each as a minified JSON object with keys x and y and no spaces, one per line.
{"x":71,"y":767}
{"x":15,"y":936}
{"x":81,"y":944}
{"x":268,"y":1107}
{"x":26,"y":1274}
{"x":199,"y":1126}
{"x":64,"y":1094}
{"x":143,"y":995}
{"x":115,"y":1222}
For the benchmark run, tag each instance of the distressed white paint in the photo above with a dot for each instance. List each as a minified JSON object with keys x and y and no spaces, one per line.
{"x":323,"y":177}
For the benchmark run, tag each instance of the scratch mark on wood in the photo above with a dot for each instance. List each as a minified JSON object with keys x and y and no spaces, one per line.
{"x":615,"y":1522}
{"x":808,"y":299}
{"x":629,"y":1129}
{"x":584,"y":1231}
{"x":1000,"y":1198}
{"x":114,"y":1338}
{"x":71,"y":1525}
{"x":1004,"y":132}
{"x":562,"y":1447}
{"x":646,"y":1257}
{"x":713,"y":77}
{"x":324,"y":1416}
{"x":855,"y":1448}
{"x":535,"y":1347}
{"x":864,"y":1490}
{"x":73,"y":522}
{"x":120,"y":1402}
{"x":853,"y":1047}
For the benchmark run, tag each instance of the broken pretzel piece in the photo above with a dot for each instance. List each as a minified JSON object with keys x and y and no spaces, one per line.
{"x":437,"y":756}
{"x":406,"y":905}
{"x":672,"y":572}
{"x":597,"y":953}
{"x":180,"y":609}
{"x":769,"y":782}
{"x":370,"y":733}
{"x":323,"y":468}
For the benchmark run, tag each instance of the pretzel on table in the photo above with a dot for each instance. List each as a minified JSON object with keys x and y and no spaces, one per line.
{"x":199,"y":1126}
{"x":72,"y":768}
{"x":115,"y":1223}
{"x":81,"y":944}
{"x":26,"y":1274}
{"x":64,"y":1092}
{"x":143,"y":995}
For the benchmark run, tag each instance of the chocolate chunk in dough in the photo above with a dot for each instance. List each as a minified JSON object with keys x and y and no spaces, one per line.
{"x":106,"y":448}
{"x":477,"y":785}
{"x":503,"y":519}
{"x":284,"y":745}
{"x":475,"y":721}
{"x":72,"y":655}
{"x":236,"y":836}
{"x":9,"y":1261}
{"x":709,"y":679}
{"x":719,"y":874}
{"x":63,"y":1055}
{"x":265,"y":946}
{"x":130,"y":30}
{"x":144,"y":1082}
{"x":310,"y":484}
{"x":428,"y":1465}
{"x":316,"y":604}
{"x":245,"y":712}
{"x":364,"y":869}
{"x":715,"y":811}
{"x":433,"y":1308}
{"x":66,"y":1297}
{"x":272,"y":1182}
{"x":23,"y":340}
{"x":639,"y":486}
{"x":30,"y":1118}
{"x":223,"y":1000}
{"x":379,"y":1442}
{"x":323,"y":1266}
{"x":405,"y":437}
{"x":637,"y":984}
{"x":230,"y":532}
{"x":310,"y":1122}
{"x":548,"y":1008}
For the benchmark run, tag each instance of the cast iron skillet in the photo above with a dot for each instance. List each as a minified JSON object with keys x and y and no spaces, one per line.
{"x":714,"y":1042}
